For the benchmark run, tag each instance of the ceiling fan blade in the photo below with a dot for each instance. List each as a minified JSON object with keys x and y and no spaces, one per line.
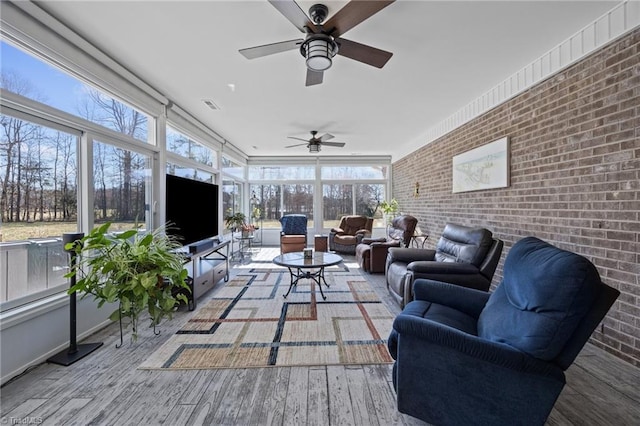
{"x":298,"y":144}
{"x":294,"y":14}
{"x":314,"y":77}
{"x":363,"y":53}
{"x":352,"y":14}
{"x":270,"y":49}
{"x":326,"y":137}
{"x":300,"y":139}
{"x":338,"y":144}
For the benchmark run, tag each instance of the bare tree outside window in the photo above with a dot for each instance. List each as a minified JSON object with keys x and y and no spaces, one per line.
{"x":37,"y":174}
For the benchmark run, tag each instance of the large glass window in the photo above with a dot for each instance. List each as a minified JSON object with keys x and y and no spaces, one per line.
{"x":337,"y":201}
{"x":368,"y":197}
{"x":30,"y":77}
{"x":120,"y":180}
{"x":182,"y":145}
{"x":189,"y":172}
{"x":346,"y":199}
{"x":298,"y":198}
{"x":354,"y":172}
{"x":232,"y":169}
{"x":38,"y":203}
{"x":231,"y":198}
{"x":275,"y":200}
{"x":290,"y":173}
{"x":266,"y":204}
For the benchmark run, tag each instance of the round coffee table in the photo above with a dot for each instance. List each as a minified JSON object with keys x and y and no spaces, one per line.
{"x":301,"y":267}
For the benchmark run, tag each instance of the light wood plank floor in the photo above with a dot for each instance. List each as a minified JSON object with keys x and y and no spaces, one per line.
{"x":105,"y":388}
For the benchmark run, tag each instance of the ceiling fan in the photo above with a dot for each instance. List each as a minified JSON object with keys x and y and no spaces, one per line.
{"x":314,"y":144}
{"x":324,"y":41}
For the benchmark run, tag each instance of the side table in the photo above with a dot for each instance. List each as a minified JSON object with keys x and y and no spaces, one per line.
{"x":418,"y":240}
{"x":320,"y":243}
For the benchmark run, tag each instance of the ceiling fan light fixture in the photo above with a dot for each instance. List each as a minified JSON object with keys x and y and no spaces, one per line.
{"x":314,"y":148}
{"x":319,"y":49}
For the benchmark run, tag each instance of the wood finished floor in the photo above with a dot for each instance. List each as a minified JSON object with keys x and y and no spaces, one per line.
{"x":105,"y":388}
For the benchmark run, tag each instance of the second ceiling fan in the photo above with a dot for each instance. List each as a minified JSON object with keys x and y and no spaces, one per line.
{"x":323,"y":40}
{"x":315,"y":144}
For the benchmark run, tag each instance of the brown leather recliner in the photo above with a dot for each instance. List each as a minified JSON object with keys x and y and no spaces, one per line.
{"x":464,"y":256}
{"x":371,"y":253}
{"x":349,"y":233}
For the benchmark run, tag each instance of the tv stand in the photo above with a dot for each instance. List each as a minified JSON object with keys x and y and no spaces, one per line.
{"x":207,"y":268}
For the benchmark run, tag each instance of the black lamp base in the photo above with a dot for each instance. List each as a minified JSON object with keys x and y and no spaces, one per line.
{"x":68,"y":357}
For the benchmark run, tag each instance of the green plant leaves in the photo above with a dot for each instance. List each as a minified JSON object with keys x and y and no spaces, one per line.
{"x":140,"y":271}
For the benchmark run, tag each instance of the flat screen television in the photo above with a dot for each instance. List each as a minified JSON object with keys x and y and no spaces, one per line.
{"x":192,"y":209}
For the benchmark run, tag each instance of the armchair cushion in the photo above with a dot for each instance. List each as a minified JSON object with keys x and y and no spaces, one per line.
{"x":350,"y":225}
{"x":545,"y":294}
{"x":464,"y":245}
{"x":408,"y":255}
{"x":402,"y":228}
{"x":294,"y":224}
{"x":292,"y":243}
{"x":442,"y":267}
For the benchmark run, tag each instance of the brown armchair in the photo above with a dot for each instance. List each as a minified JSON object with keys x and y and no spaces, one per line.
{"x":371,"y":253}
{"x":349,"y":233}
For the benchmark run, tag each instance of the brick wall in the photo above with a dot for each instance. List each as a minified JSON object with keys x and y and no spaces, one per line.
{"x":575,"y":177}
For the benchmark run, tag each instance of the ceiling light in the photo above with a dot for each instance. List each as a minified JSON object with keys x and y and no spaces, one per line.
{"x":318,"y":49}
{"x":314,"y":147}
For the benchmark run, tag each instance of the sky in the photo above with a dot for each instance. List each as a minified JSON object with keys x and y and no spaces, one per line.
{"x":51,"y":85}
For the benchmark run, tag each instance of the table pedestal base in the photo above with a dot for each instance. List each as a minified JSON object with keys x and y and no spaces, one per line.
{"x":317,"y":276}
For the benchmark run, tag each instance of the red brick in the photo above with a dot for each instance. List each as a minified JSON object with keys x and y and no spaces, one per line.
{"x":575,"y":176}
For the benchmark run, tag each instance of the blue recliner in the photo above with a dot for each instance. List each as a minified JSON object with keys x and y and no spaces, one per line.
{"x":464,"y":356}
{"x":293,"y":236}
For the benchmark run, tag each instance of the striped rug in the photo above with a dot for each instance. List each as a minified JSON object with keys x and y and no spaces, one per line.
{"x":249,"y":324}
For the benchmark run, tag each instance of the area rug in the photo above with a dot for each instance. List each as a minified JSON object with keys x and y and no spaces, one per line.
{"x":248,"y":323}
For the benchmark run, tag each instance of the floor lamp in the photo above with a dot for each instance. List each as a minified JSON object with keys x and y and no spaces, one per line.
{"x":75,"y":351}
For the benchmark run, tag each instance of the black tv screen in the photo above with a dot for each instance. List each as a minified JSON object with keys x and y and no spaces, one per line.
{"x":192,"y":209}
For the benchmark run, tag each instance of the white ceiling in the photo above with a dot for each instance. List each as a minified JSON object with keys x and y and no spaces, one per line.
{"x":445,"y":54}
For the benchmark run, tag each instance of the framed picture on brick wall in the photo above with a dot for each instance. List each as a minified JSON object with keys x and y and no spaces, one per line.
{"x":485,"y":167}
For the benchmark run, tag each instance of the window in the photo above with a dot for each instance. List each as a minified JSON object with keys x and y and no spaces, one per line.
{"x":231,"y":197}
{"x":298,"y":198}
{"x":347,"y":199}
{"x":38,"y":203}
{"x":302,"y":172}
{"x":189,"y":172}
{"x":21,"y":72}
{"x":187,"y":148}
{"x":368,"y":198}
{"x":232,"y":169}
{"x":267,"y":199}
{"x":120,"y":180}
{"x":354,"y":172}
{"x":337,"y":201}
{"x":276,"y":200}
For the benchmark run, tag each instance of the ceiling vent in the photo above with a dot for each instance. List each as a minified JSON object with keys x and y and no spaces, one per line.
{"x":211,"y":104}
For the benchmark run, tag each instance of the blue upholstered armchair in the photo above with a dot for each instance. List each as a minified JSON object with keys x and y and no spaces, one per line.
{"x":464,"y":356}
{"x":293,"y":236}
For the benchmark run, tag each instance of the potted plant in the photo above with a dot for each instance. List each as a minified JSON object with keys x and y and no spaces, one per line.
{"x":238,"y":222}
{"x":138,"y":271}
{"x":389,"y":209}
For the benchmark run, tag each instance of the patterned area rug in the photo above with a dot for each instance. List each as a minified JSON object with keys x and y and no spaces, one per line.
{"x":249,"y":324}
